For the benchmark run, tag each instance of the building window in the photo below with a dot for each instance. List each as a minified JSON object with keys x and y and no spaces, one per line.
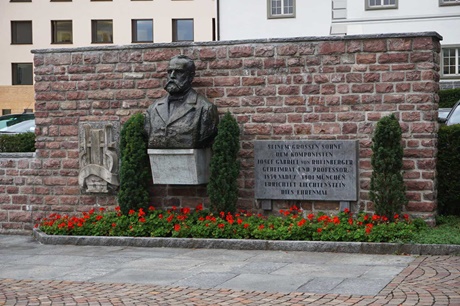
{"x":182,"y":29}
{"x":21,"y":32}
{"x":102,"y":31}
{"x":281,"y":8}
{"x":451,"y":61}
{"x":142,"y":30}
{"x":22,"y":74}
{"x":381,"y":4}
{"x":61,"y":31}
{"x":6,"y":111}
{"x":449,"y":2}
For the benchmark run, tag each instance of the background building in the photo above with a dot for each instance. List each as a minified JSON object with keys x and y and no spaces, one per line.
{"x":44,"y":24}
{"x":291,"y":18}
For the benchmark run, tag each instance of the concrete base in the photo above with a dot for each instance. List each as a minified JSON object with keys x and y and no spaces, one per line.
{"x":180,"y":166}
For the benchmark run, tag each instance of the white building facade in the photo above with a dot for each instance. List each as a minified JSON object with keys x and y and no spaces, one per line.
{"x":251,"y":19}
{"x":44,"y":24}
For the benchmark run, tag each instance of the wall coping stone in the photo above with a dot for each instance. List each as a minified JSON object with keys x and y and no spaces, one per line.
{"x":237,"y":42}
{"x":252,"y":244}
{"x":17,"y":155}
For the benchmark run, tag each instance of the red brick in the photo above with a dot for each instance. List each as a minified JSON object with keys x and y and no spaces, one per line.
{"x":366,"y":58}
{"x":238,"y":92}
{"x":227,"y":81}
{"x":374,"y":46}
{"x":393,"y":58}
{"x":331,"y":47}
{"x":285,"y":129}
{"x":274,"y":63}
{"x":361,"y":88}
{"x":257,"y":129}
{"x":264,"y":51}
{"x":417,"y":57}
{"x":160,"y":55}
{"x":399,"y":44}
{"x":207,"y":53}
{"x":240,"y":51}
{"x":253,"y":81}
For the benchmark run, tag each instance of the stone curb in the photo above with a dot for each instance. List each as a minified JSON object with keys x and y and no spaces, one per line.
{"x":248,"y":244}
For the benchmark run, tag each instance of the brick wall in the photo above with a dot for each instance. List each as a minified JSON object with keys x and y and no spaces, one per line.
{"x":303,"y":88}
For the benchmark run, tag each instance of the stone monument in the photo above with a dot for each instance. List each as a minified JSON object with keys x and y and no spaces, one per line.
{"x":181,"y":128}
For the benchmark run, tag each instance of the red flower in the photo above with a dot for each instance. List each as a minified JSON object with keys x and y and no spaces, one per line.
{"x":142,"y":219}
{"x":406,"y":216}
{"x":261,"y":227}
{"x":301,"y":222}
{"x":369,"y":228}
{"x":246,"y":225}
{"x":396,"y":216}
{"x":160,"y":216}
{"x":319,"y":230}
{"x":170,"y":218}
{"x":201,"y":219}
{"x":222,"y":214}
{"x":114,"y":224}
{"x":375,"y":217}
{"x":177,"y":227}
{"x":151,"y":208}
{"x":131,"y":212}
{"x":221,"y":225}
{"x":101,"y":208}
{"x":346,"y":210}
{"x":311,"y":217}
{"x":99,"y":217}
{"x":199,"y":207}
{"x":185,"y":210}
{"x":336,"y":220}
{"x":117,"y":208}
{"x":350,"y":221}
{"x":239,"y":221}
{"x":141,"y":213}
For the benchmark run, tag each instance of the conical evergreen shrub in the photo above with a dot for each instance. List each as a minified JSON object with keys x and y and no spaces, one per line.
{"x":387,"y":189}
{"x":225,"y":168}
{"x":135,"y":174}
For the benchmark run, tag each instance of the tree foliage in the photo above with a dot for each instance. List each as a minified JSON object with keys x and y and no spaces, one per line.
{"x":448,"y":169}
{"x":24,"y":142}
{"x":387,"y":189}
{"x":225,"y":168}
{"x":135,"y":175}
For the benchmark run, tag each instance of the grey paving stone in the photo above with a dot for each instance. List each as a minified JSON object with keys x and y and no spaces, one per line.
{"x":341,"y":271}
{"x":41,"y":272}
{"x":205,"y":280}
{"x":218,"y":266}
{"x":260,"y":267}
{"x":266,"y":282}
{"x":172,"y":264}
{"x":361,"y":286}
{"x":321,"y":285}
{"x":142,"y":276}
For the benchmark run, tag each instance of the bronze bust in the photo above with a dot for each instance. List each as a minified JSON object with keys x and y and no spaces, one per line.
{"x":183,"y":119}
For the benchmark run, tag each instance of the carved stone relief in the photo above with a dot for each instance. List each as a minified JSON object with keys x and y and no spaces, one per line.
{"x":99,"y":158}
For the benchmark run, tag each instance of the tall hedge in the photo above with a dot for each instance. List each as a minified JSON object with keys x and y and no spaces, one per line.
{"x":448,"y":169}
{"x":387,"y":189}
{"x":135,"y":174}
{"x":448,"y":97}
{"x":225,"y":168}
{"x":24,"y":142}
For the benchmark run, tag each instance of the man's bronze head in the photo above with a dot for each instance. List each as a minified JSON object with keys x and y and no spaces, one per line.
{"x":181,"y":71}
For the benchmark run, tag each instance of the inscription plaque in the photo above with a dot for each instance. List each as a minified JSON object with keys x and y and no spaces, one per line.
{"x":306,"y":170}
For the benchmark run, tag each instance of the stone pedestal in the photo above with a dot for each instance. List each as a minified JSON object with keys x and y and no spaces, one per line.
{"x":180,"y":166}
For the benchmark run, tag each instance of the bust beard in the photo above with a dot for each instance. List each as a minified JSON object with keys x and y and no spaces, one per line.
{"x":176,"y":88}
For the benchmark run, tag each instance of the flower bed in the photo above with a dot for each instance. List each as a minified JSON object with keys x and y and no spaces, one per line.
{"x":292,"y":224}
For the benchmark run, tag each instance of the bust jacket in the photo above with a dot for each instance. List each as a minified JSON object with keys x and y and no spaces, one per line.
{"x":193,"y":125}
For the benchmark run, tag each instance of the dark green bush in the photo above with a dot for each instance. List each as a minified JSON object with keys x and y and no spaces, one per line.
{"x":225,"y":168}
{"x":448,"y":169}
{"x":387,"y":189}
{"x":448,"y":97}
{"x":135,"y":175}
{"x":24,"y":142}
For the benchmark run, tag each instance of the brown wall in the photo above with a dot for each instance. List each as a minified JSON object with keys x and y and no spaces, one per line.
{"x":311,"y":88}
{"x":17,"y":98}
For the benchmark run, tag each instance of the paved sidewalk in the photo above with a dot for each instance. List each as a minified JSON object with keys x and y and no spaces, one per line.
{"x":36,"y":274}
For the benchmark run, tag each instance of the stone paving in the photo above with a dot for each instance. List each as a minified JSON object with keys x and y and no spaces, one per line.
{"x":425,"y":280}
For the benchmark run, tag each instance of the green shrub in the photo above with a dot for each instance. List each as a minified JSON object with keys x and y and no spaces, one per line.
{"x":387,"y":189}
{"x":135,"y":175}
{"x":448,"y":169}
{"x":225,"y":168}
{"x":24,"y":142}
{"x":448,"y":97}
